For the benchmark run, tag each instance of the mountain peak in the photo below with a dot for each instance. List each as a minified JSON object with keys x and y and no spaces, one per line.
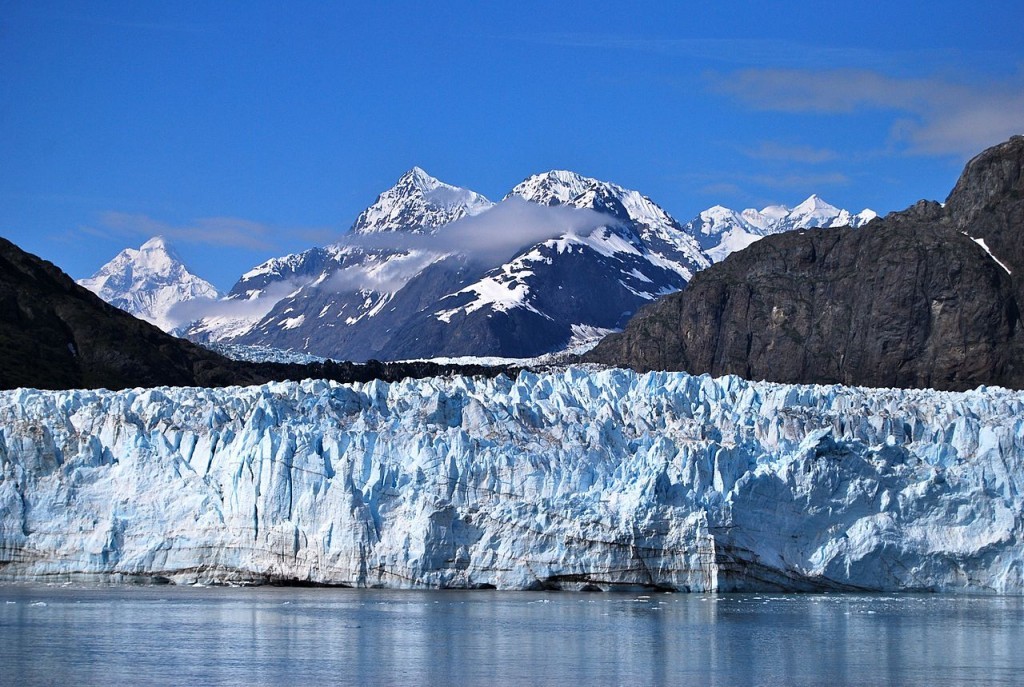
{"x":418,"y":203}
{"x":157,"y":242}
{"x":814,"y":204}
{"x":148,"y":282}
{"x":554,"y":187}
{"x":156,"y":256}
{"x":722,"y":231}
{"x":418,"y":177}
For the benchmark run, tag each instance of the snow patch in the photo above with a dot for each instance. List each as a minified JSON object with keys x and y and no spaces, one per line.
{"x":981,"y":242}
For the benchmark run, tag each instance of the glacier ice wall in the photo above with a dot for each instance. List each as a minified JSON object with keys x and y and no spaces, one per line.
{"x":573,"y":479}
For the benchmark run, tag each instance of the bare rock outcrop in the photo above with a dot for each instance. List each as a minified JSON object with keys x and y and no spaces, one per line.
{"x":927,"y":297}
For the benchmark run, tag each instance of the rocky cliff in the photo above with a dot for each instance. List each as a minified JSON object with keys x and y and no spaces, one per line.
{"x":927,"y":297}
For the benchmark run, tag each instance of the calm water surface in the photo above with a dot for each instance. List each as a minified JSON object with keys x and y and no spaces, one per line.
{"x":175,"y":635}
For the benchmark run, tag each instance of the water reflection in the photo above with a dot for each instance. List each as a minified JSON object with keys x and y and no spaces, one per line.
{"x":298,"y":636}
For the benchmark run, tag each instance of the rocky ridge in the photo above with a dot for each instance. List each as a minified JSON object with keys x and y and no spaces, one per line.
{"x":926,"y":297}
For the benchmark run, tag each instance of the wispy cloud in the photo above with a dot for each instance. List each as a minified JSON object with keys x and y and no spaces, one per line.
{"x":495,"y":235}
{"x":721,"y":188}
{"x":932,"y":116}
{"x":230,"y":232}
{"x":801,"y":181}
{"x":771,"y":150}
{"x":737,"y":51}
{"x":214,"y":231}
{"x":735,"y":184}
{"x":316,"y":236}
{"x":386,"y":276}
{"x":231,"y":308}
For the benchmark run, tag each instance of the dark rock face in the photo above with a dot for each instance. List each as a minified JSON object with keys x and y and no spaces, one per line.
{"x":55,"y":334}
{"x":988,"y":203}
{"x":911,"y":300}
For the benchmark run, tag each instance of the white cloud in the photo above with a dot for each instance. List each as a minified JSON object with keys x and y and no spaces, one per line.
{"x":231,"y":232}
{"x":385,"y":276}
{"x":233,"y":308}
{"x":495,"y":235}
{"x":771,"y":150}
{"x":933,"y":116}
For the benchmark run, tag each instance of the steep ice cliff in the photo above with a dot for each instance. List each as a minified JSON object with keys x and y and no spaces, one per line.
{"x":573,"y":480}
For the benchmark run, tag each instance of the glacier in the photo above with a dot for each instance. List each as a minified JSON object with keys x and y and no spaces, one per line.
{"x":571,"y":479}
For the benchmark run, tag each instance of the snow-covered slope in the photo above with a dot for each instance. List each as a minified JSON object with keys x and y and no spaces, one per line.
{"x":568,"y":480}
{"x":419,"y":277}
{"x":666,"y":240}
{"x":148,"y":283}
{"x":592,"y":279}
{"x":722,"y":231}
{"x":418,"y":203}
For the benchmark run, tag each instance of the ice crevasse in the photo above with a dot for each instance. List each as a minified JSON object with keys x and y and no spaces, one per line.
{"x":572,"y":480}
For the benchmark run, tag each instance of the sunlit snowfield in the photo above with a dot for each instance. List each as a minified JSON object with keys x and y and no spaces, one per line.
{"x":178,"y":635}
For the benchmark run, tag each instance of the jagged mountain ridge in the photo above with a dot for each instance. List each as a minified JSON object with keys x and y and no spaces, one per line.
{"x":721,"y":231}
{"x":148,"y":282}
{"x":424,"y":298}
{"x":390,"y":290}
{"x":927,"y":297}
{"x":418,"y":203}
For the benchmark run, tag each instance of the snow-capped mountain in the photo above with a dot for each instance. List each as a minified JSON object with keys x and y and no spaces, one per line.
{"x":664,"y":237}
{"x":416,"y":276}
{"x":584,"y":279}
{"x":344,"y":283}
{"x":149,"y":282}
{"x":722,"y":231}
{"x":418,"y":203}
{"x":571,"y":480}
{"x":419,"y":276}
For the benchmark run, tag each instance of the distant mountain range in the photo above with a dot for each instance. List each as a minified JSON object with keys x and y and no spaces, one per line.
{"x":722,"y":231}
{"x":430,"y":269}
{"x":926,"y":297}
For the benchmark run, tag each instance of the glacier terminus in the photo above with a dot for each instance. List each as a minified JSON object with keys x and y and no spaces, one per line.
{"x":571,"y":479}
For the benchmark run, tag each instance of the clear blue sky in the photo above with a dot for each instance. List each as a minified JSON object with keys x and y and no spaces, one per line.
{"x":252,"y":129}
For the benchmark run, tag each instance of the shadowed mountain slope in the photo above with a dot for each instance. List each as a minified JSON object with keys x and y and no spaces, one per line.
{"x":927,"y":297}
